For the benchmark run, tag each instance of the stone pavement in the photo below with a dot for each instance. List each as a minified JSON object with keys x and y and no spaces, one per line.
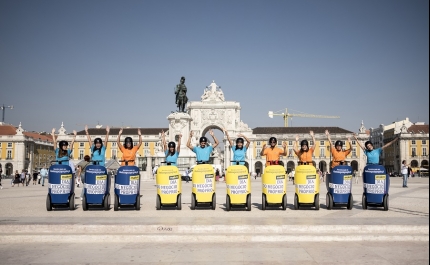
{"x":30,"y":234}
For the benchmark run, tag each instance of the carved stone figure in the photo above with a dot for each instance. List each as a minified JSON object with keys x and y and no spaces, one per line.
{"x":181,"y":95}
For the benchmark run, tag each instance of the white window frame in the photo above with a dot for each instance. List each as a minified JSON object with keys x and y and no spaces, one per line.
{"x":414,"y":142}
{"x":146,"y":144}
{"x":81,"y":154}
{"x":113,"y":154}
{"x":322,"y":143}
{"x":424,"y":153}
{"x":9,"y":154}
{"x":9,"y":145}
{"x":422,"y":142}
{"x":82,"y":144}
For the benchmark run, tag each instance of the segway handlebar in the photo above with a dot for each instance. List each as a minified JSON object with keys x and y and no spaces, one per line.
{"x":237,"y":161}
{"x":274,"y":162}
{"x":202,"y":162}
{"x":167,"y":163}
{"x":126,"y":161}
{"x":95,"y":162}
{"x":305,"y":163}
{"x":60,"y":162}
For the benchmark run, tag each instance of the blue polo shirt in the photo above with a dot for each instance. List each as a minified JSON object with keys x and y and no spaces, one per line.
{"x":100,"y":157}
{"x":239,"y":154}
{"x":172,"y":159}
{"x":203,"y":154}
{"x":373,"y":156}
{"x":64,"y":158}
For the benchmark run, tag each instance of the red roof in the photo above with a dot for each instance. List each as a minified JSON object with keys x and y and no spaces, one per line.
{"x":7,"y":130}
{"x":37,"y":136}
{"x":419,"y":129}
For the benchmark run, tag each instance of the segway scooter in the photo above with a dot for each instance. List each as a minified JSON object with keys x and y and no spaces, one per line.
{"x":127,"y":187}
{"x":339,"y":185}
{"x":376,"y":185}
{"x":274,"y":186}
{"x":238,"y":187}
{"x":307,"y":186}
{"x":96,"y":187}
{"x":203,"y":191}
{"x":169,"y":186}
{"x":61,"y":191}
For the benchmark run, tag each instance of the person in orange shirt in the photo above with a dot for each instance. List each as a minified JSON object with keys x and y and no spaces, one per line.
{"x":337,"y":153}
{"x":273,"y":153}
{"x":128,"y":150}
{"x":305,"y":153}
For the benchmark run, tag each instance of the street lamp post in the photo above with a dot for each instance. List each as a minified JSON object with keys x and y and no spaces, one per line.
{"x":3,"y":110}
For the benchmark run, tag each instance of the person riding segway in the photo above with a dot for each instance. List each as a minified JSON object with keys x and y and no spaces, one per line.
{"x":203,"y":191}
{"x":168,"y":180}
{"x":274,"y":178}
{"x":61,"y":191}
{"x":305,"y":177}
{"x":127,"y":179}
{"x":376,"y":181}
{"x":237,"y":178}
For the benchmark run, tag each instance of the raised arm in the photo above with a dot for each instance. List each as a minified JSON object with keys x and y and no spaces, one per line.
{"x":215,"y":139}
{"x":328,"y":137}
{"x":88,"y":135}
{"x":390,"y":143}
{"x":350,"y":143}
{"x":246,"y":139}
{"x":107,"y":135}
{"x":178,"y":149}
{"x":73,"y":141}
{"x":262,"y":150}
{"x":296,"y":144}
{"x":228,"y":137}
{"x":359,"y":143}
{"x":53,"y":138}
{"x":313,"y":140}
{"x":284,"y":144}
{"x":189,"y":141}
{"x":140,"y":138}
{"x":163,"y":141}
{"x":118,"y":142}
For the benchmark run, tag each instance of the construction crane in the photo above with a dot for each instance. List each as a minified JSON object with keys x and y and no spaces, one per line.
{"x":285,"y":115}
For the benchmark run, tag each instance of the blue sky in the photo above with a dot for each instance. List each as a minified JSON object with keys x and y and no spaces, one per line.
{"x":117,"y":62}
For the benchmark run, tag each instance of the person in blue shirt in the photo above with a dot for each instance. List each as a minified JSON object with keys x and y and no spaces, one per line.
{"x":203,"y":151}
{"x":372,"y":153}
{"x":98,"y":150}
{"x":170,"y":149}
{"x":239,"y":151}
{"x":62,"y":152}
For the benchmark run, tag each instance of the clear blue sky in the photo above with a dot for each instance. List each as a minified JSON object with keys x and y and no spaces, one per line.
{"x":117,"y":62}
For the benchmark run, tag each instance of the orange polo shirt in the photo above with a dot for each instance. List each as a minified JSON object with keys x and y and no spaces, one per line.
{"x":128,"y":154}
{"x":338,"y":156}
{"x":305,"y":156}
{"x":272,"y":154}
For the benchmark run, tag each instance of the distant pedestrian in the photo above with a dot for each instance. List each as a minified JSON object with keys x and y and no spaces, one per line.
{"x":35,"y":174}
{"x":81,"y":172}
{"x":23,"y":177}
{"x":187,"y":175}
{"x":355,"y":174}
{"x":405,"y":171}
{"x":293,"y":173}
{"x":27,"y":178}
{"x":43,"y":175}
{"x":154,"y":171}
{"x":1,"y":186}
{"x":17,"y":179}
{"x":217,"y":175}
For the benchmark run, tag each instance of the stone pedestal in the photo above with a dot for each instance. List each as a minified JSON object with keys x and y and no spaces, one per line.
{"x":179,"y":123}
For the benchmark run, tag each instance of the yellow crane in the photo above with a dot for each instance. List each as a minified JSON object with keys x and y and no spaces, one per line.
{"x":285,"y":115}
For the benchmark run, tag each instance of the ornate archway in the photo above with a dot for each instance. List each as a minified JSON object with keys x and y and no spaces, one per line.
{"x":354,"y":165}
{"x":290,"y":166}
{"x":322,"y":165}
{"x":9,"y":169}
{"x":425,"y":164}
{"x":414,"y":163}
{"x":258,"y":167}
{"x":214,"y":112}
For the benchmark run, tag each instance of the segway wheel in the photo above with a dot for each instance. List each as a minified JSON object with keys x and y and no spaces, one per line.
{"x":106,"y":202}
{"x":48,"y":203}
{"x":72,"y":202}
{"x":296,"y":202}
{"x":263,"y":202}
{"x":116,"y":203}
{"x":227,"y":203}
{"x":317,"y":202}
{"x":214,"y":201}
{"x":248,"y":202}
{"x":284,"y":202}
{"x":364,"y":202}
{"x":158,"y":202}
{"x":350,"y":202}
{"x":193,"y":201}
{"x":137,"y":205}
{"x":329,"y":201}
{"x":179,"y":202}
{"x":386,"y":202}
{"x":84,"y":203}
